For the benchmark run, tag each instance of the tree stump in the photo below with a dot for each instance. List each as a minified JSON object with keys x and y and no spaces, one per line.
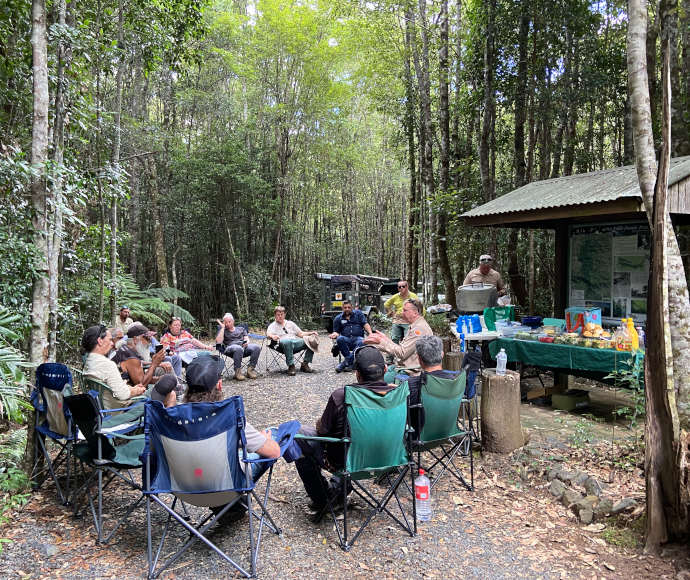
{"x":452,"y":361}
{"x":500,"y":412}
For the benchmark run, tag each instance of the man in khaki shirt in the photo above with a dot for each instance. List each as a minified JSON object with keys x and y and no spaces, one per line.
{"x":486,"y":274}
{"x":405,"y":353}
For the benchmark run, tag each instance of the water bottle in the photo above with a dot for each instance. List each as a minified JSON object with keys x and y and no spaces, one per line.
{"x":476,"y":323}
{"x":501,"y":361}
{"x":422,"y":497}
{"x":643,"y":337}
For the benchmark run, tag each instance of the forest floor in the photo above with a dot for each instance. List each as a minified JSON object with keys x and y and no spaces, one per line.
{"x":509,"y":527}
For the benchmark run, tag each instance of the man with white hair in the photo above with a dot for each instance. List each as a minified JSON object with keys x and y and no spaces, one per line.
{"x":233,"y":341}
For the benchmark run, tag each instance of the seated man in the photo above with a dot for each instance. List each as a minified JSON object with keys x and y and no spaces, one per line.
{"x":205,"y":385}
{"x":348,"y":332}
{"x":405,"y":353}
{"x":430,"y":353}
{"x":131,"y":357}
{"x":370,"y":369}
{"x":179,"y":341}
{"x":233,"y":341}
{"x":96,"y":343}
{"x":290,"y":339}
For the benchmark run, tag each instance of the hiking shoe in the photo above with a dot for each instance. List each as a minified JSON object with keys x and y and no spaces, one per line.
{"x":341,"y":367}
{"x":251,"y":373}
{"x":305,"y":368}
{"x":292,"y":371}
{"x":239,"y":376}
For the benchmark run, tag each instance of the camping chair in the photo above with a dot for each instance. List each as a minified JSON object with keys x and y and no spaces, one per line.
{"x":104,"y":394}
{"x":53,"y":423}
{"x":275,"y":357}
{"x":197,"y":453}
{"x":227,"y":360}
{"x":376,"y":445}
{"x":100,"y":430}
{"x":440,"y":436}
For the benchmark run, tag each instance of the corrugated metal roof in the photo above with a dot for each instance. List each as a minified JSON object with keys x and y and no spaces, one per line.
{"x":581,"y":189}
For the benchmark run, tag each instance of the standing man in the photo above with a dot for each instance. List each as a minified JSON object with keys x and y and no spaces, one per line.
{"x":405,"y":353}
{"x":290,"y":339}
{"x":394,"y":308}
{"x":233,"y":341}
{"x":348,"y":332}
{"x":123,"y":322}
{"x":486,"y":274}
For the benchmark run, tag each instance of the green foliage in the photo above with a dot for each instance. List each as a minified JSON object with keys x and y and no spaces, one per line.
{"x":153,"y":305}
{"x":14,"y":483}
{"x":439,"y":324}
{"x":13,"y":382}
{"x":628,"y":376}
{"x":582,"y":433}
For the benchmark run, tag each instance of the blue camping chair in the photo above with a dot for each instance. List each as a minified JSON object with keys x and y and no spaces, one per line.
{"x":197,"y":453}
{"x":53,"y":424}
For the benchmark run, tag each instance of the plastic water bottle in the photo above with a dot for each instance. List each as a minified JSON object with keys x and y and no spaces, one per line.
{"x":501,"y":361}
{"x":643,"y":337}
{"x":422,"y":497}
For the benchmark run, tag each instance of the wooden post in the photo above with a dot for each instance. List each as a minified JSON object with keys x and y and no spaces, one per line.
{"x":500,"y":412}
{"x":452,"y":361}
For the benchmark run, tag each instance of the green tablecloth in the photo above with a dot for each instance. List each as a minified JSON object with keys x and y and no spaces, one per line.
{"x":564,"y":356}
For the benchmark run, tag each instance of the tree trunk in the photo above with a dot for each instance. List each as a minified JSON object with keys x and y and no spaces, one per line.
{"x":500,"y":412}
{"x":158,"y":234}
{"x":484,"y":143}
{"x":667,"y":393}
{"x":39,"y":193}
{"x":409,"y":128}
{"x":444,"y":160}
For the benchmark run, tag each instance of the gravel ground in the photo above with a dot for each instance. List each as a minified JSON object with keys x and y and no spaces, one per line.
{"x":498,"y":531}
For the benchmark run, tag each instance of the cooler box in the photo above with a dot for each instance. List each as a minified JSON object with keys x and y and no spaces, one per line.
{"x":577,"y":317}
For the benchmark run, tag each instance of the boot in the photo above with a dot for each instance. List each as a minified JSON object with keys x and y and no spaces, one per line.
{"x":251,"y":373}
{"x":239,"y":376}
{"x":292,"y":371}
{"x":305,"y":368}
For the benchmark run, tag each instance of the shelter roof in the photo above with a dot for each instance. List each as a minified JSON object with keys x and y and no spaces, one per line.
{"x":611,"y":191}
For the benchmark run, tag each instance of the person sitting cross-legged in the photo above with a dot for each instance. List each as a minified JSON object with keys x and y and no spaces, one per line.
{"x":233,"y":341}
{"x":290,"y":339}
{"x":370,"y":369}
{"x":348,"y":332}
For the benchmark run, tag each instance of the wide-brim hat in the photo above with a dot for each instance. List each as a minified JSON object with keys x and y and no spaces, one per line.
{"x":312,"y":342}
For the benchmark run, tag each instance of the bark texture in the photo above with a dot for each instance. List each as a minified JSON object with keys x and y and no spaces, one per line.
{"x":500,"y":412}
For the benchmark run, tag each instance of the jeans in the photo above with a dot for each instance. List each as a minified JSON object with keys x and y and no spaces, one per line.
{"x":237,"y":352}
{"x":289,"y":346}
{"x":347,"y":345}
{"x":398,"y":332}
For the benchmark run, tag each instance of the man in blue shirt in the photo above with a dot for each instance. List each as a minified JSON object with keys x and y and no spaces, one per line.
{"x":348,"y":332}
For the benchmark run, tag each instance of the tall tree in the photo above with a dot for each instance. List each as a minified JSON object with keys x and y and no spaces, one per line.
{"x":39,"y":191}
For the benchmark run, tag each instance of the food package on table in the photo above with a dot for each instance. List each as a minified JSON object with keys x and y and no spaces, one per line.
{"x":523,"y":335}
{"x":547,"y":339}
{"x":592,"y":330}
{"x":576,"y":318}
{"x":603,"y":343}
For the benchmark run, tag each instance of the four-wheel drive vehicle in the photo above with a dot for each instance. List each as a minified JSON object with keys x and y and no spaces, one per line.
{"x":363,"y":291}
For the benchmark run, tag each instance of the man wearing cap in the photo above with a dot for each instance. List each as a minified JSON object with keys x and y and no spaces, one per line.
{"x":370,"y":369}
{"x":291,"y":339}
{"x":130,"y":357}
{"x":394,"y":307}
{"x":486,"y":274}
{"x":123,"y":321}
{"x":96,"y":343}
{"x":348,"y":332}
{"x":233,"y":341}
{"x":405,"y":353}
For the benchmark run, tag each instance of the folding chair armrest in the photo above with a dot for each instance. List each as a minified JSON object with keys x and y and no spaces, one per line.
{"x":257,"y":336}
{"x":116,"y":435}
{"x":261,"y":460}
{"x":324,"y":439}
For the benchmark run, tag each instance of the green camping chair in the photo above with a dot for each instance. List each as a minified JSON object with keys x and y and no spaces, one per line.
{"x":377,"y":444}
{"x":103,"y":460}
{"x":441,"y":437}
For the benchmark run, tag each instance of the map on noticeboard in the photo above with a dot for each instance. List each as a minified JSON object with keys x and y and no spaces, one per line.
{"x":609,"y":269}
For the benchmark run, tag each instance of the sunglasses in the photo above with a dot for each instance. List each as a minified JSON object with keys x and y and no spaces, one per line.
{"x":485,"y":261}
{"x":403,"y":286}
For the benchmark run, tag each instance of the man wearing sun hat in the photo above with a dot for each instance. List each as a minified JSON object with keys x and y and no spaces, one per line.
{"x":486,"y":274}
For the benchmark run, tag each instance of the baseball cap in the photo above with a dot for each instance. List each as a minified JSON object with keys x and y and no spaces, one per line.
{"x":203,"y":373}
{"x":136,"y":329}
{"x":485,"y":257}
{"x":163,"y":387}
{"x":369,"y":361}
{"x":124,"y":307}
